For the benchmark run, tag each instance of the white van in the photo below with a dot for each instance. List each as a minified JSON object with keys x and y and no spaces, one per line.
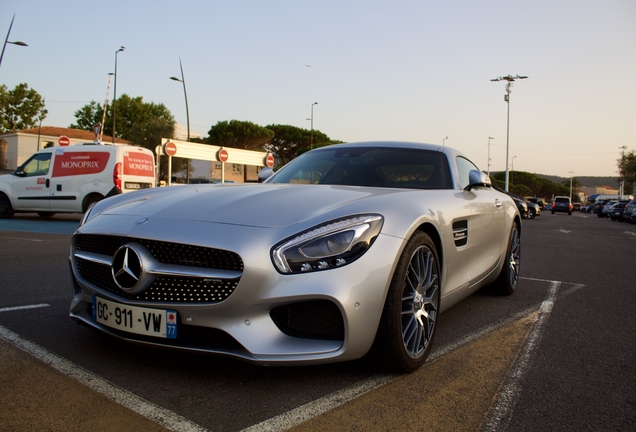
{"x":70,"y":179}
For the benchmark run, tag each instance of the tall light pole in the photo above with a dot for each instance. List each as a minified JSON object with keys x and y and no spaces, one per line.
{"x":571,"y":173}
{"x":115,"y":91}
{"x":7,"y":41}
{"x":444,"y":141}
{"x":489,"y":138}
{"x":510,"y":80}
{"x":185,"y":94}
{"x":512,"y":171}
{"x":311,"y":138}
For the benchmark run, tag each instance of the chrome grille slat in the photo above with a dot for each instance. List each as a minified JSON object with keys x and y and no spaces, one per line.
{"x":204,"y":275}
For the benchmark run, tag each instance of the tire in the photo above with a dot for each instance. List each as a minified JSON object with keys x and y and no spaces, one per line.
{"x":411,"y":310}
{"x":6,"y":210}
{"x":569,"y":213}
{"x":506,"y":282}
{"x":46,"y":214}
{"x":552,"y":211}
{"x":530,"y":214}
{"x":90,"y":201}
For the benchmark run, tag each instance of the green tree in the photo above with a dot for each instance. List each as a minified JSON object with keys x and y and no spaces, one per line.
{"x":142,"y":123}
{"x":627,"y":171}
{"x":290,"y":141}
{"x":20,"y":108}
{"x":239,"y":134}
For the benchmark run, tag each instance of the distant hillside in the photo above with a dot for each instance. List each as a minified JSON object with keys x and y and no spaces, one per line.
{"x":590,"y":182}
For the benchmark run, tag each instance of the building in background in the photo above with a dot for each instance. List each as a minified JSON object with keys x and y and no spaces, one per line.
{"x":17,"y":147}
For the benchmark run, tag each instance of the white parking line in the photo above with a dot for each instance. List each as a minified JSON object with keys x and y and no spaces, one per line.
{"x":502,"y":413}
{"x":9,"y":309}
{"x":338,"y":398}
{"x":121,"y":396}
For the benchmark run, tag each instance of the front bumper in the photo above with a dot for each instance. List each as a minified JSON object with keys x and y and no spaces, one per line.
{"x":269,"y":318}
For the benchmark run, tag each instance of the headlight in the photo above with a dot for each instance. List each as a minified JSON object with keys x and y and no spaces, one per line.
{"x":334,"y":244}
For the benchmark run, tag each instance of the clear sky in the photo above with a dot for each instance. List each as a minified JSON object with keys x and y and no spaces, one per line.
{"x":379,"y":70}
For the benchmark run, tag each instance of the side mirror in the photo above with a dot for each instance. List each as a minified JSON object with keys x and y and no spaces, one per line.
{"x":19,"y":171}
{"x":477,"y":179}
{"x":264,"y":174}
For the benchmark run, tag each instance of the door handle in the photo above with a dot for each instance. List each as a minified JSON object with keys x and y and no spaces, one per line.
{"x":48,"y":182}
{"x":498,"y":203}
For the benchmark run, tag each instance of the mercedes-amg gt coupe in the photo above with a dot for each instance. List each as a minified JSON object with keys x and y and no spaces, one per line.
{"x":348,"y":250}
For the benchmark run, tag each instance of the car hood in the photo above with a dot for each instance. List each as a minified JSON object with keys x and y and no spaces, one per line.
{"x":258,"y":205}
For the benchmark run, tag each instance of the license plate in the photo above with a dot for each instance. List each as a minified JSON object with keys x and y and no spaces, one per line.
{"x":160,"y":323}
{"x":133,"y":186}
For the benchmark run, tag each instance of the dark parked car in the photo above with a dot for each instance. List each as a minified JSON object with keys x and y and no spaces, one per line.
{"x":576,"y":207}
{"x":617,"y":211}
{"x":587,"y":208}
{"x":599,"y":206}
{"x":629,"y":211}
{"x":562,"y":204}
{"x":522,"y":205}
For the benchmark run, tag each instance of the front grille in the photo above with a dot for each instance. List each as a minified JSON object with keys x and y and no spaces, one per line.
{"x":165,"y":252}
{"x":166,"y":288}
{"x":316,"y":319}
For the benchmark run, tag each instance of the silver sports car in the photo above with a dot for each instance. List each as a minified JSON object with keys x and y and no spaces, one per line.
{"x":347,"y":250}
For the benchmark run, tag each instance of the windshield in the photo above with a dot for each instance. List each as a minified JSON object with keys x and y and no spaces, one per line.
{"x":368,"y":166}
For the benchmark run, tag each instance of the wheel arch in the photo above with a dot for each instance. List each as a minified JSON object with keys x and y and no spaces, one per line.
{"x":89,"y":199}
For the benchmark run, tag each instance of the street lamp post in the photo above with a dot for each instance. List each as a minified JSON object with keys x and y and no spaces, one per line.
{"x":185,"y":93}
{"x":444,"y":141}
{"x":311,"y":138}
{"x":571,"y":173}
{"x":510,"y":80}
{"x":489,"y":138}
{"x":7,"y":41}
{"x":115,"y":91}
{"x":512,"y":170}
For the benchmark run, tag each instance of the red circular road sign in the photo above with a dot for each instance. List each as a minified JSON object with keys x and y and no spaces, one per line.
{"x":64,"y":141}
{"x":223,"y":155}
{"x":170,"y":149}
{"x":269,"y":160}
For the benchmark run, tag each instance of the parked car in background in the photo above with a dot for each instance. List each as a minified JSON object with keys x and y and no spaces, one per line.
{"x":617,"y":211}
{"x":629,"y":210}
{"x":537,"y":201}
{"x":607,"y":209}
{"x":576,"y":207}
{"x":599,"y":205}
{"x":587,"y":208}
{"x":562,"y":204}
{"x":522,"y":205}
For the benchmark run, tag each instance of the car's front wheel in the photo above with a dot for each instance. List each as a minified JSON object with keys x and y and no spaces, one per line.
{"x":530,"y":214}
{"x":411,"y":310}
{"x":507,"y":280}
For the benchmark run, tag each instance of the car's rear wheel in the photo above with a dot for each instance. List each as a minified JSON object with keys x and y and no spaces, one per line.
{"x":530,"y":214}
{"x":507,"y":280}
{"x":409,"y":318}
{"x":6,"y":210}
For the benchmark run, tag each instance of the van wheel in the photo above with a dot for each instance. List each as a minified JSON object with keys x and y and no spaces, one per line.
{"x":46,"y":214}
{"x":90,"y":201}
{"x":6,"y":210}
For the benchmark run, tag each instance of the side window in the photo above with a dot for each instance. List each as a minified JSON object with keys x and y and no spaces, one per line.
{"x":38,"y":165}
{"x":464,"y":166}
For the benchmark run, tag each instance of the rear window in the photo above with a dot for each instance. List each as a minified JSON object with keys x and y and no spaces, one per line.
{"x":565,"y":200}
